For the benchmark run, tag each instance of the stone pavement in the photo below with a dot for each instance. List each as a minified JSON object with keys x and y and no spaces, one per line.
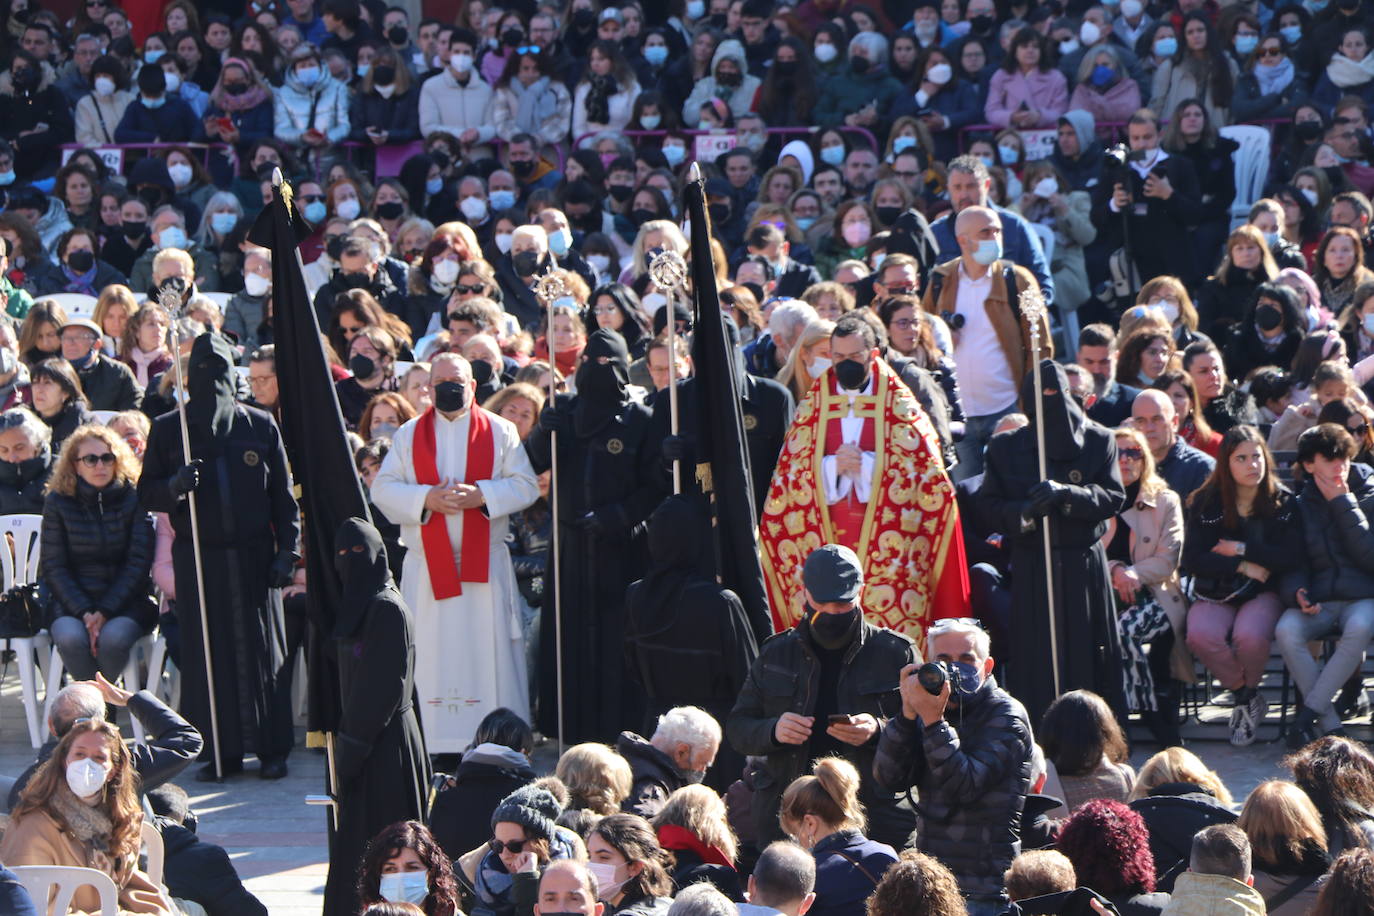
{"x":277,"y":842}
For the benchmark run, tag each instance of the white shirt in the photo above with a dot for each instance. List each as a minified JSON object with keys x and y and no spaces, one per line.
{"x":851,"y":429}
{"x":985,"y":377}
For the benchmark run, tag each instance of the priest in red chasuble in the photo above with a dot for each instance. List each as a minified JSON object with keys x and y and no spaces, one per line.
{"x":452,"y":477}
{"x":861,"y":467}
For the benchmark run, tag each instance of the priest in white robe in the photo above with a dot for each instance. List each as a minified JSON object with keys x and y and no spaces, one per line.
{"x":453,"y":476}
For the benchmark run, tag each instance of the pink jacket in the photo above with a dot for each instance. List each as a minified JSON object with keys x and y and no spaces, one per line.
{"x":1116,"y":104}
{"x":1045,"y":92}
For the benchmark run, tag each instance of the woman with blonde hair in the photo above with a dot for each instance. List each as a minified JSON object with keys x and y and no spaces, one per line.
{"x":831,"y":300}
{"x":113,"y":308}
{"x":1287,"y":846}
{"x":1170,"y":298}
{"x":598,"y":779}
{"x":143,"y":346}
{"x":1177,"y":795}
{"x":808,"y":358}
{"x":519,"y":402}
{"x":656,"y":233}
{"x":822,"y":813}
{"x":695,"y":828}
{"x":1224,"y":300}
{"x":81,"y":810}
{"x":1177,"y":765}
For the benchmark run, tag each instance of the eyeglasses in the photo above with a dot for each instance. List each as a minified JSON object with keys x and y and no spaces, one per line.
{"x":350,"y":328}
{"x":514,"y":846}
{"x":1359,"y":431}
{"x":91,"y":461}
{"x":901,"y":290}
{"x":78,"y":338}
{"x":907,"y":175}
{"x":473,"y":290}
{"x":1134,"y":454}
{"x":528,"y":49}
{"x":906,"y":324}
{"x":1267,"y":53}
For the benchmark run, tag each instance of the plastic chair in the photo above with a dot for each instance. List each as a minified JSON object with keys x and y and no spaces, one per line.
{"x":18,"y":567}
{"x":157,"y":854}
{"x":1252,"y":166}
{"x":1046,"y":236}
{"x":103,"y":417}
{"x":76,"y":305}
{"x":144,"y":645}
{"x":39,"y":881}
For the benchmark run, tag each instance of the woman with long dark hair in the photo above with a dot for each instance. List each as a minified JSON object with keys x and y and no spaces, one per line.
{"x":630,"y":867}
{"x":1338,"y":775}
{"x":789,"y":90}
{"x":530,"y":98}
{"x":1086,"y":748}
{"x":1199,"y":69}
{"x":404,"y":864}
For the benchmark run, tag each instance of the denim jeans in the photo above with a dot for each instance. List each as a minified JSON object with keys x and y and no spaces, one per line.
{"x":1352,"y":622}
{"x":117,"y":638}
{"x":977,"y":434}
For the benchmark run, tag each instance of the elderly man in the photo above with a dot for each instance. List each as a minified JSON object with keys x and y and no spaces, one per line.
{"x":820,"y":688}
{"x":360,"y":267}
{"x":766,"y":355}
{"x":26,"y":461}
{"x":977,"y":296}
{"x":1183,"y":467}
{"x":682,"y":749}
{"x":483,"y":354}
{"x":107,"y":383}
{"x":567,"y":888}
{"x":966,"y":748}
{"x":783,"y":882}
{"x":170,"y":744}
{"x":517,"y":270}
{"x":262,"y":378}
{"x":451,"y":480}
{"x":555,"y":223}
{"x":168,"y":230}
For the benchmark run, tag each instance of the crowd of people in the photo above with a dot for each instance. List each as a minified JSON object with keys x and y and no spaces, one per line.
{"x":889,"y":190}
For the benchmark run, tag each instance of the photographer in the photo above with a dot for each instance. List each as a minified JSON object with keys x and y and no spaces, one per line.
{"x":1146,"y":204}
{"x":964,"y":744}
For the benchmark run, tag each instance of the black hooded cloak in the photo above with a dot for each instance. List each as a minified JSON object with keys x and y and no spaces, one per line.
{"x":606,"y":487}
{"x":1081,"y":458}
{"x":379,"y":754}
{"x":249,"y":525}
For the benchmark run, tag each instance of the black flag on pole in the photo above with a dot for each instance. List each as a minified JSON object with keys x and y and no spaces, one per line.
{"x":721,"y":449}
{"x":312,"y":428}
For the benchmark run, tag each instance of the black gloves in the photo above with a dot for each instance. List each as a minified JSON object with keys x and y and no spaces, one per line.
{"x":593,"y":523}
{"x":1045,"y":497}
{"x":677,"y":448}
{"x":187,"y":478}
{"x":555,"y":420}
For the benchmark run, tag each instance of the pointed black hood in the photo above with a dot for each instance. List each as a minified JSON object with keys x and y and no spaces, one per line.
{"x":1064,"y":418}
{"x":360,"y":560}
{"x":601,"y":385}
{"x":211,"y":385}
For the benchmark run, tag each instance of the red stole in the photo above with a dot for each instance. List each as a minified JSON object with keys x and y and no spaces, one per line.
{"x":445,"y":578}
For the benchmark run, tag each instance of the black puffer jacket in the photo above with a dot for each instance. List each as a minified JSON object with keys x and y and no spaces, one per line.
{"x":1339,"y":545}
{"x":1173,"y":813}
{"x":1232,"y":407}
{"x":97,"y":553}
{"x":21,"y":486}
{"x":971,"y":772}
{"x":655,"y":776}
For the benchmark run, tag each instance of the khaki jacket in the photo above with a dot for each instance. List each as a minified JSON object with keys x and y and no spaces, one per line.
{"x":1013,"y":335}
{"x":37,"y":839}
{"x":1213,"y":895}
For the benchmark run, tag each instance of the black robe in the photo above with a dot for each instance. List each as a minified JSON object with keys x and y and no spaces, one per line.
{"x":1084,"y":459}
{"x":603,"y":469}
{"x":383,"y":770}
{"x":248,"y":520}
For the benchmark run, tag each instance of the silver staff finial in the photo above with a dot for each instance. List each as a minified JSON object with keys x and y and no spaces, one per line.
{"x":694,"y":171}
{"x":1033,"y":308}
{"x":277,"y":178}
{"x":549,"y":286}
{"x":668,"y":270}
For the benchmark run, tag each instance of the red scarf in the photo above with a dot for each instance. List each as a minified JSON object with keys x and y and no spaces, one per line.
{"x":671,"y":836}
{"x":445,"y":578}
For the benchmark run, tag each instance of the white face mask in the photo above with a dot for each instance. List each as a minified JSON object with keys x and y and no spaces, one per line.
{"x":1046,"y":187}
{"x":474,"y":208}
{"x":600,"y":262}
{"x":606,"y":885}
{"x":818,"y":365}
{"x":503,"y":240}
{"x":180,"y":174}
{"x":104,"y":86}
{"x":173,"y":81}
{"x":461,"y":63}
{"x":1131,"y":8}
{"x":940,"y":74}
{"x":348,"y":209}
{"x":256,"y":284}
{"x":1310,"y":194}
{"x":1168,"y":309}
{"x":446,"y":272}
{"x":85,"y":777}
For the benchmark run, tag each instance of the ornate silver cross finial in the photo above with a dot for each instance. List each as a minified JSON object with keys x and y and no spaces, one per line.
{"x":668,"y":270}
{"x":1033,"y":308}
{"x":549,"y":287}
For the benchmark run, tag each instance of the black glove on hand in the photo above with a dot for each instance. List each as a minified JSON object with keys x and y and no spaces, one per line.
{"x":283,"y":570}
{"x":187,"y":478}
{"x":592,"y":524}
{"x":677,"y":448}
{"x":554,"y":420}
{"x":1045,"y":497}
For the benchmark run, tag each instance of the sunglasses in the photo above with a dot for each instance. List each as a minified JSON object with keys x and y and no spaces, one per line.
{"x":1134,"y":454}
{"x":514,"y":846}
{"x":350,"y":329}
{"x":528,"y":49}
{"x":91,"y":461}
{"x":312,"y":198}
{"x":1267,"y":53}
{"x":472,"y":290}
{"x":948,"y":623}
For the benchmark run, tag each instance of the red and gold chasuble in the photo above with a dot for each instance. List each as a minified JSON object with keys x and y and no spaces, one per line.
{"x":445,"y":577}
{"x":909,"y":542}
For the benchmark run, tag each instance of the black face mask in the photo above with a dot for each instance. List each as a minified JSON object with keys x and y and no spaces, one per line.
{"x":357,"y":280}
{"x":81,"y":260}
{"x":440,"y":158}
{"x":392,"y":209}
{"x":888,"y":215}
{"x":851,"y":374}
{"x":152,"y":196}
{"x":980,"y":25}
{"x":834,"y":631}
{"x":134,"y":229}
{"x":397,"y":35}
{"x":525,"y":263}
{"x":236,"y":88}
{"x":333,"y":247}
{"x":450,"y":396}
{"x":1334,"y":174}
{"x":641,"y":215}
{"x":481,"y":372}
{"x":621,"y":192}
{"x":785,"y":68}
{"x":720,"y":213}
{"x":729,"y":79}
{"x":16,"y":474}
{"x":512,"y":37}
{"x":1307,"y":131}
{"x":362,"y":366}
{"x":860,"y":65}
{"x":583,"y":19}
{"x":28,"y":79}
{"x":522,"y":169}
{"x":384,"y":75}
{"x":1267,"y":317}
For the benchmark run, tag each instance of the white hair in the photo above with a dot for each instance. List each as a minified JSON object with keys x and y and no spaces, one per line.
{"x":982,"y":642}
{"x":701,"y":899}
{"x":789,"y":318}
{"x":689,"y":725}
{"x":35,"y":430}
{"x":874,"y":44}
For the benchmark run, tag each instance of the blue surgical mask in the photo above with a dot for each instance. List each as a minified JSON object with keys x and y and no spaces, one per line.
{"x":965,"y":684}
{"x":989,"y":250}
{"x":1368,"y":323}
{"x":434,"y":185}
{"x":832,"y":155}
{"x":696,"y":9}
{"x":987,"y":160}
{"x":675,"y":154}
{"x":1315,"y":6}
{"x":900,"y":144}
{"x":1246,"y":43}
{"x":154,"y":103}
{"x":559,"y":242}
{"x":404,"y":887}
{"x":502,"y":200}
{"x":1271,"y":239}
{"x":1102,"y":75}
{"x":362,"y":70}
{"x":1292,"y":34}
{"x":315,"y":211}
{"x":152,"y":55}
{"x":656,"y":54}
{"x":223,"y":222}
{"x":650,"y":122}
{"x":172,"y":237}
{"x":1009,"y":155}
{"x":308,"y":76}
{"x":7,"y":178}
{"x":804,"y":223}
{"x":1166,"y":47}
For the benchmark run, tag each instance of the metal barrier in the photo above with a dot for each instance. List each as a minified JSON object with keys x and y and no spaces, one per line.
{"x":113,"y":154}
{"x":390,"y":157}
{"x":711,"y":143}
{"x":1035,"y":138}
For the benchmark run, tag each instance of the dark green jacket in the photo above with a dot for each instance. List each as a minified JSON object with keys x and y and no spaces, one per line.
{"x":847,"y":92}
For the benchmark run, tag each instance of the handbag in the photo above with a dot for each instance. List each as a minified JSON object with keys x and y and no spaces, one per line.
{"x":21,"y":612}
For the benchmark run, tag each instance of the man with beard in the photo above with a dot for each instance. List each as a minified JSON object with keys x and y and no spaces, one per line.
{"x":1082,"y":492}
{"x":821,"y":688}
{"x":380,"y":760}
{"x":606,"y":487}
{"x":249,"y":535}
{"x":1097,"y":354}
{"x":452,"y":478}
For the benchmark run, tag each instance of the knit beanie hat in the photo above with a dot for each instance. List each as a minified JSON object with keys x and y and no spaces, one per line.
{"x":531,"y":807}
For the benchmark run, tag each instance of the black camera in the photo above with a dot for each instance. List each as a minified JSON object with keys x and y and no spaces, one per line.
{"x":933,"y":675}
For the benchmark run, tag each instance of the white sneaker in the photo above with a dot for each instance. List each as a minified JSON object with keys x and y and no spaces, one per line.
{"x":1258,"y":707}
{"x":1242,"y":726}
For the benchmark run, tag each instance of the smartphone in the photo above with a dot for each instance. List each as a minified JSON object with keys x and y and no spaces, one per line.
{"x":838,"y":719}
{"x":224,"y":123}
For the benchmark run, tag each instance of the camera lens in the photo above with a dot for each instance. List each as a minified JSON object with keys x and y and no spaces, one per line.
{"x":932,"y":677}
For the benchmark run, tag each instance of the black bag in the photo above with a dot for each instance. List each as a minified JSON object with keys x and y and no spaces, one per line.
{"x":21,"y":613}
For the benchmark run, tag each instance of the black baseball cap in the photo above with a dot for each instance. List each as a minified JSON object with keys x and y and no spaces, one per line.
{"x":833,"y":573}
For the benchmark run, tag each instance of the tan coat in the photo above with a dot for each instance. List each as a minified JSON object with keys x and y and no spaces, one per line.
{"x":1014,"y":336}
{"x":37,"y":839}
{"x":1156,"y":525}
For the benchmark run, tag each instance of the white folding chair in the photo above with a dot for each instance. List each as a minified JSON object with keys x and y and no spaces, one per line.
{"x":76,"y":305}
{"x":103,"y":417}
{"x":39,"y":881}
{"x":18,"y":566}
{"x":220,"y":299}
{"x":1251,"y":164}
{"x":145,"y":646}
{"x":157,"y":855}
{"x":1046,"y":236}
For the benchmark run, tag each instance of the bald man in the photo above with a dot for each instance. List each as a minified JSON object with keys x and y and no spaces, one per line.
{"x":1183,"y":467}
{"x":567,"y":887}
{"x":976,"y":294}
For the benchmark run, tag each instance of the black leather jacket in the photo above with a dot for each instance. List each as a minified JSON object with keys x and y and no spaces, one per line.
{"x":98,"y":552}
